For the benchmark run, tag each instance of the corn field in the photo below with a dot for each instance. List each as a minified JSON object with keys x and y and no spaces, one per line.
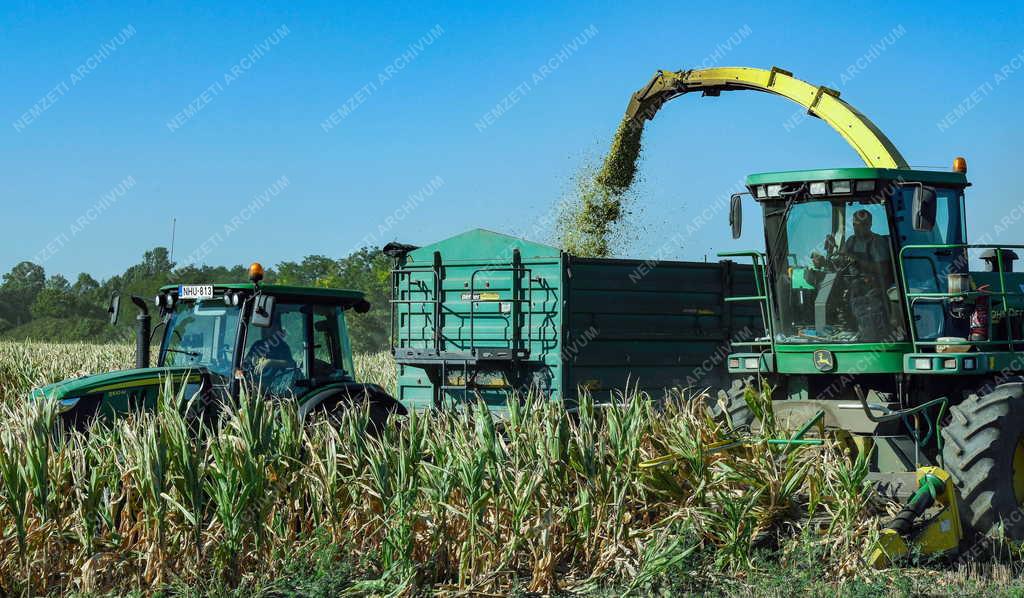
{"x":543,"y":501}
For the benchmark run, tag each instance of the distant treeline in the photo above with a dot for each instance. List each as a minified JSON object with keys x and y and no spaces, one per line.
{"x":34,"y":306}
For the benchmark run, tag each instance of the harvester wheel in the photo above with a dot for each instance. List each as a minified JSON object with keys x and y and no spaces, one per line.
{"x":731,"y":406}
{"x":984,"y":451}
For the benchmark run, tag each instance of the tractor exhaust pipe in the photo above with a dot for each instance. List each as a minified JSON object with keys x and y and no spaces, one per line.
{"x":142,"y":328}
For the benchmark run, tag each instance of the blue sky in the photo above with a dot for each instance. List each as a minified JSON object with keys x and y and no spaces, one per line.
{"x":121,"y":114}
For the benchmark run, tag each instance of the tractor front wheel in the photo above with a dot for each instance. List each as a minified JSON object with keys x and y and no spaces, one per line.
{"x":984,"y":452}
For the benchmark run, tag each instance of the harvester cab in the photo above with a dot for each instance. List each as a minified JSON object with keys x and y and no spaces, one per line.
{"x":874,"y":320}
{"x":218,"y":340}
{"x":874,"y":317}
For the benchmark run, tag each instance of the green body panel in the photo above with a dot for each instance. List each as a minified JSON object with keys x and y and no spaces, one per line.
{"x":124,"y":391}
{"x":121,"y":391}
{"x":860,"y":358}
{"x":116,"y":380}
{"x":965,"y":364}
{"x":855,"y":358}
{"x":658,"y":327}
{"x":594,"y":323}
{"x":830,"y":174}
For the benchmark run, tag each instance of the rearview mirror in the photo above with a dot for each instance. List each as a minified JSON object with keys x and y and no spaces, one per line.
{"x":736,"y":216}
{"x":114,"y":308}
{"x":262,"y":311}
{"x":923,"y":216}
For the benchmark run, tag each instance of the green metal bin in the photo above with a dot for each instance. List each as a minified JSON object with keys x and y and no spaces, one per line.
{"x":486,"y":315}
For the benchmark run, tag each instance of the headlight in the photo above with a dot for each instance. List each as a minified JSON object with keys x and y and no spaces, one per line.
{"x":751,"y":363}
{"x":818,"y":188}
{"x":841,"y":187}
{"x":774,"y":190}
{"x":65,"y":405}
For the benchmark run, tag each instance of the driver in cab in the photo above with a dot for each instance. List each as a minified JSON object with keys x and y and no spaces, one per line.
{"x":270,"y":357}
{"x":867,"y":247}
{"x":865,"y":255}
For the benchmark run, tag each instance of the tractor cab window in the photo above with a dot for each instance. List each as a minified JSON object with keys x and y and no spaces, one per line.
{"x":832,"y":271}
{"x":201,"y":334}
{"x":274,"y":357}
{"x":332,"y":356}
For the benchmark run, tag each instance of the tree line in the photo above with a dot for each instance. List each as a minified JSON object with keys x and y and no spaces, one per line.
{"x":34,"y":306}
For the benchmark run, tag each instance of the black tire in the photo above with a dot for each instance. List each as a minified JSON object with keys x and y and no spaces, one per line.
{"x":730,"y":405}
{"x":978,"y":451}
{"x":381,"y":407}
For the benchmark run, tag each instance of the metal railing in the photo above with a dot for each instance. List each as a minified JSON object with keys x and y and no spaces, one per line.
{"x":404,"y":285}
{"x":763,"y":296}
{"x":396,"y":305}
{"x":518,"y":272}
{"x":960,"y":251}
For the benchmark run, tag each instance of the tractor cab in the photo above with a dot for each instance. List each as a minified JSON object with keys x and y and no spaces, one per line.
{"x":218,"y":339}
{"x":857,"y":261}
{"x":283,"y":339}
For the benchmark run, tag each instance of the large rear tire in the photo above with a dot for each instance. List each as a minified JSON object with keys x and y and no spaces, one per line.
{"x":984,"y":452}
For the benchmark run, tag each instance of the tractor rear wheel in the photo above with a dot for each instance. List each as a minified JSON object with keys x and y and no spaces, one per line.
{"x":984,"y":452}
{"x":730,"y":405}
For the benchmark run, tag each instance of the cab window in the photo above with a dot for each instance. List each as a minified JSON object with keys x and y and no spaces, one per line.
{"x":332,"y":356}
{"x":275,"y":356}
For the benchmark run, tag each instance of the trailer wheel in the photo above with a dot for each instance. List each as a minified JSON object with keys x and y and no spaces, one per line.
{"x":730,"y":405}
{"x":984,"y":452}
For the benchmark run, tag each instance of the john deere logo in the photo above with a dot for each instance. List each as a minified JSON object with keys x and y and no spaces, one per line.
{"x":824,"y":360}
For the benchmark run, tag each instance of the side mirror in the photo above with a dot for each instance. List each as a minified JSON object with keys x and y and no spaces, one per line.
{"x":736,"y":216}
{"x":923,"y":216}
{"x":362,"y":306}
{"x":262,"y":311}
{"x":114,"y":308}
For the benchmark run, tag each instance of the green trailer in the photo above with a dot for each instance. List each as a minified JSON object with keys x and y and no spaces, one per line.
{"x":483,"y":315}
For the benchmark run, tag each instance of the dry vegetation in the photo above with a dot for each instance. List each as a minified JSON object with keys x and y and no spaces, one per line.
{"x":545,"y":501}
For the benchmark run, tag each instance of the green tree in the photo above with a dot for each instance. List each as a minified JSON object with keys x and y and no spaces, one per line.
{"x":34,"y":307}
{"x":367,"y":270}
{"x":19,"y":290}
{"x":312,"y":271}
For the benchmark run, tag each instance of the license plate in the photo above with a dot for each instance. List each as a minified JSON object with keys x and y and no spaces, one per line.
{"x":195,"y":291}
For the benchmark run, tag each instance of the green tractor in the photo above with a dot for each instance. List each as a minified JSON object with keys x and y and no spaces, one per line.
{"x":877,"y":325}
{"x":218,"y":339}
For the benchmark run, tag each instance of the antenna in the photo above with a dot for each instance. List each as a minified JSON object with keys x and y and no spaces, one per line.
{"x":174,"y":223}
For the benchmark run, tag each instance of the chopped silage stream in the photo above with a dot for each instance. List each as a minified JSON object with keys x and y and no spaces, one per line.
{"x":590,"y":225}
